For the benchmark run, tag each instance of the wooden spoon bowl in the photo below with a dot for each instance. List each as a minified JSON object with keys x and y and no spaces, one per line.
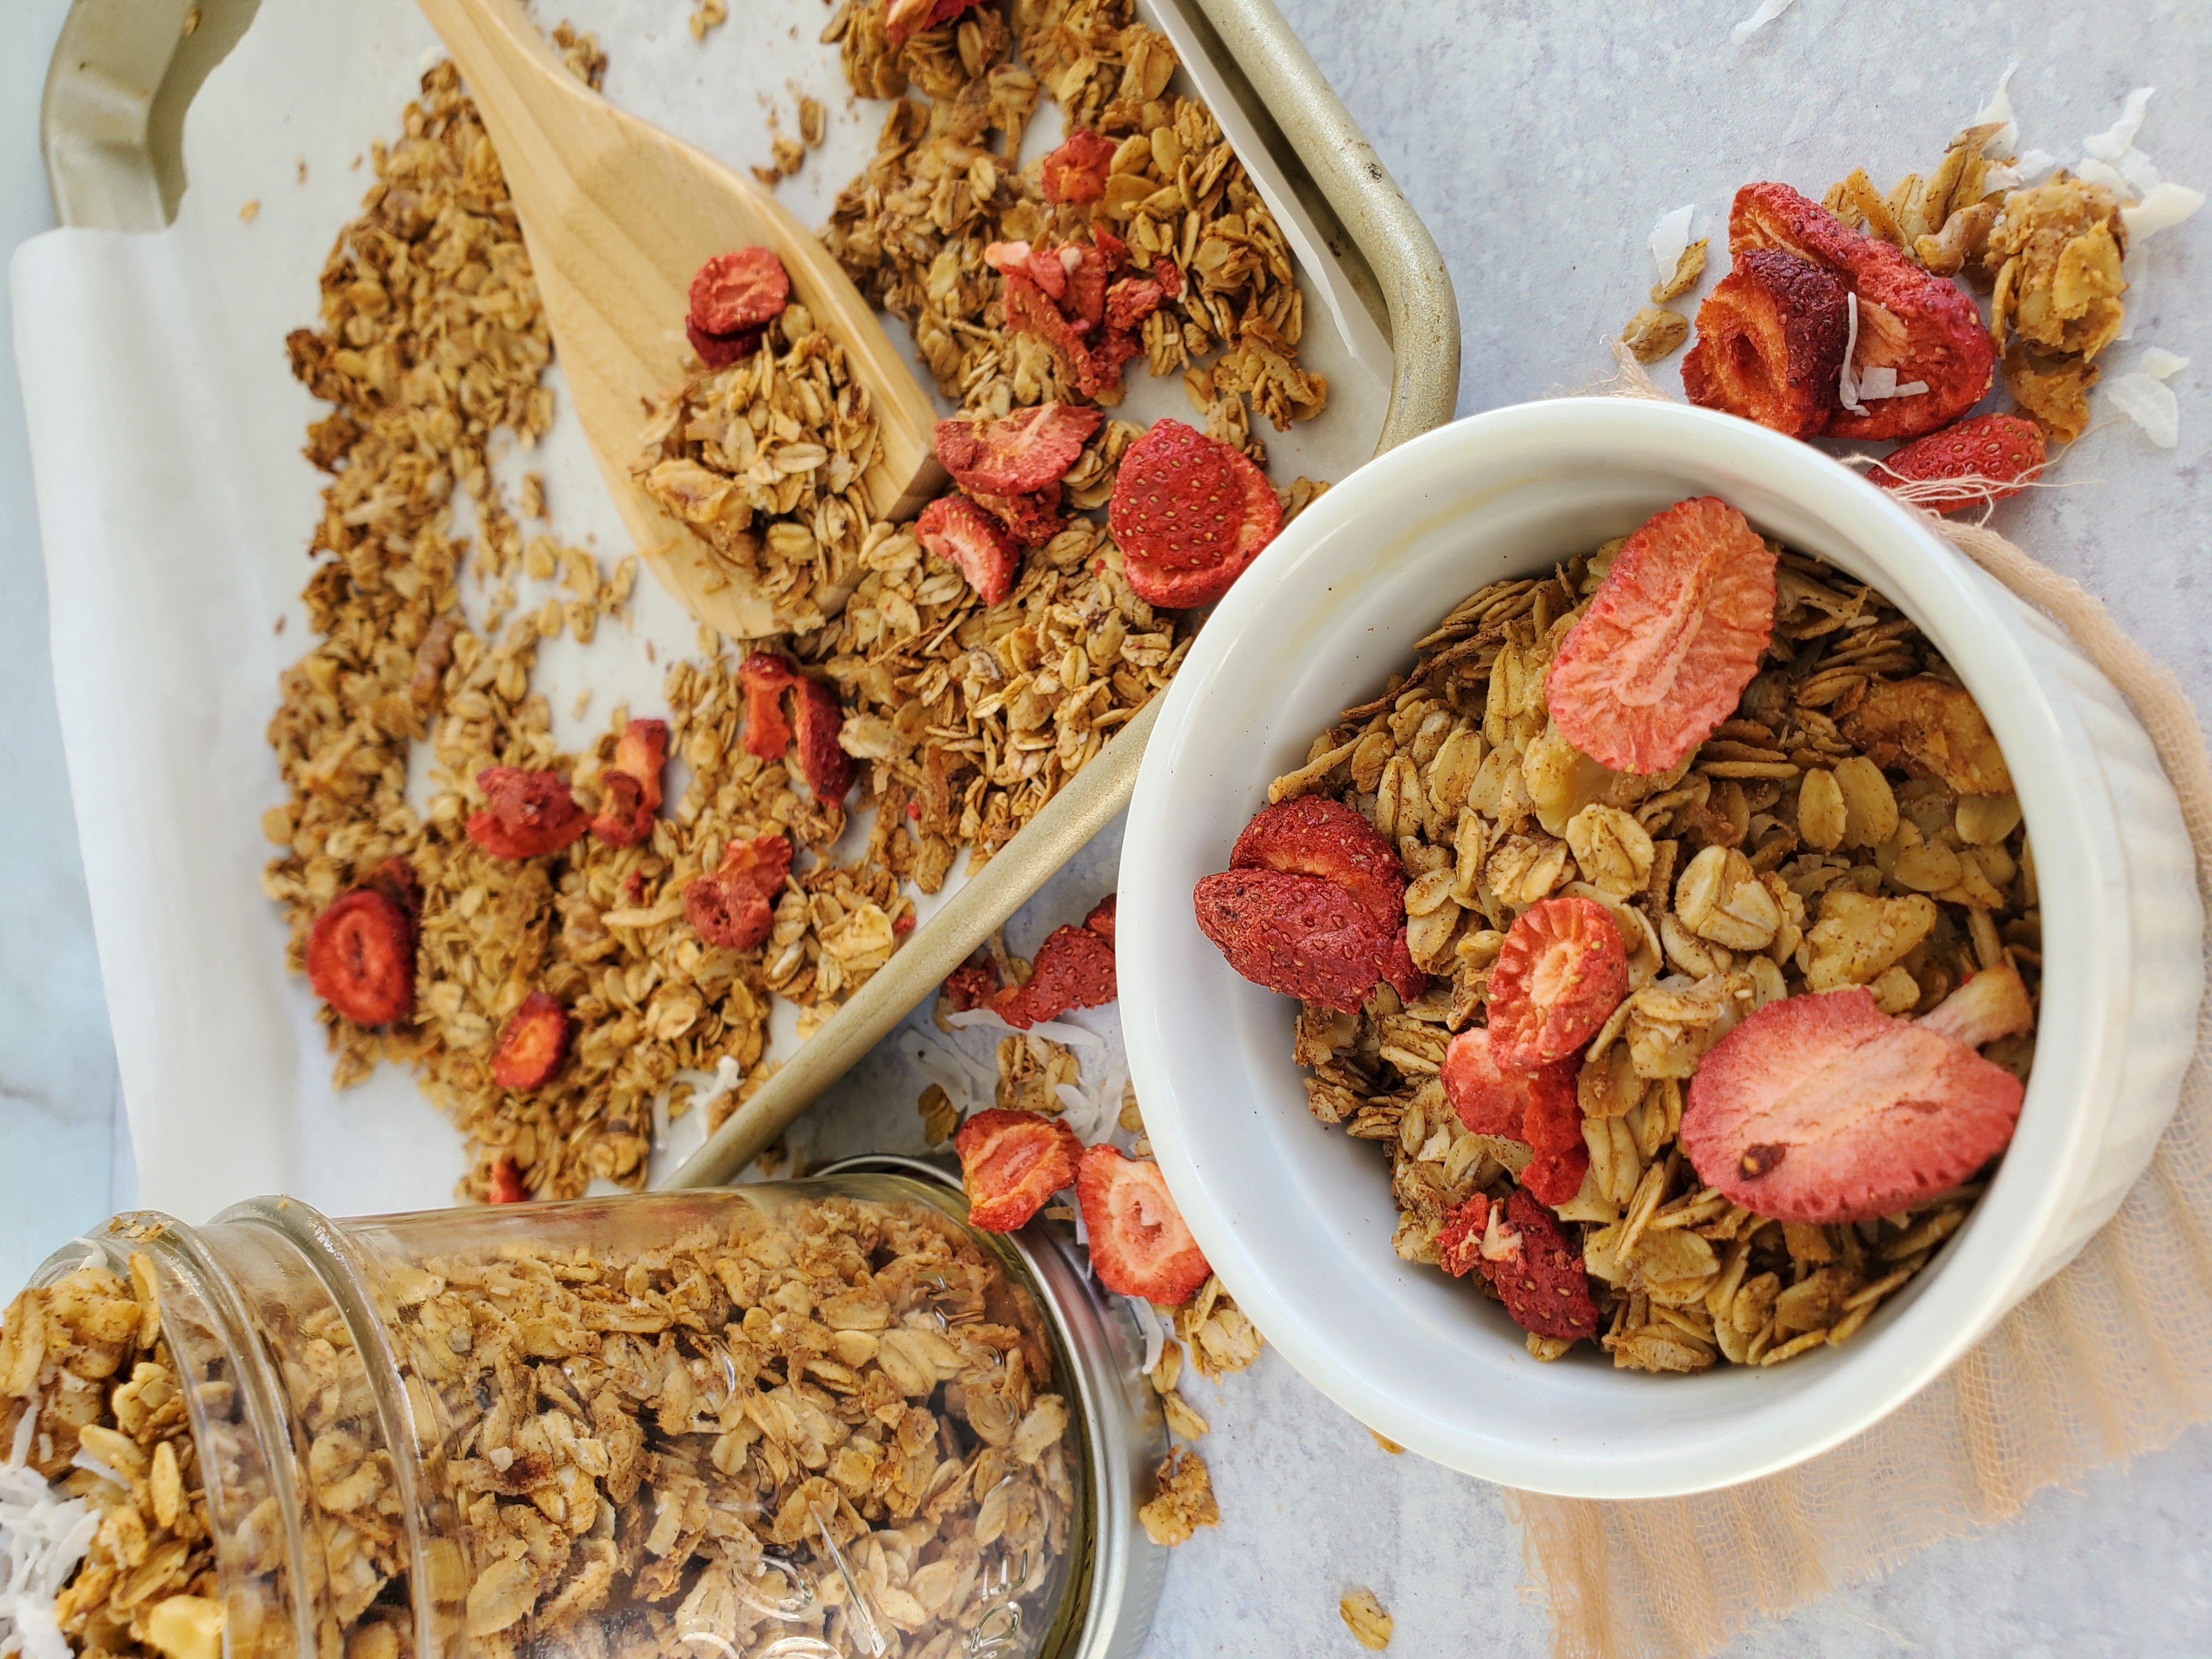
{"x":617,"y":216}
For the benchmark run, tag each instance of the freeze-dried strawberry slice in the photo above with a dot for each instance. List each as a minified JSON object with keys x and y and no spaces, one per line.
{"x":738,"y":290}
{"x":1168,"y":274}
{"x":1553,"y":1129}
{"x":1923,"y":326}
{"x":1074,"y":969}
{"x":1821,"y":1108}
{"x":1993,"y":1003}
{"x":395,"y":879}
{"x":1032,"y":520}
{"x":720,"y":350}
{"x":819,"y":717}
{"x":1999,"y":453}
{"x":765,"y":677}
{"x":904,"y":19}
{"x":361,"y":957}
{"x":1084,"y":304}
{"x":1027,"y":450}
{"x":1011,"y":1163}
{"x":531,"y":1044}
{"x":1459,"y":1241}
{"x":1100,"y":918}
{"x":1771,"y":343}
{"x":1093,"y":365}
{"x":971,"y":987}
{"x":1189,"y":514}
{"x":1559,"y":975}
{"x":1130,"y":301}
{"x":735,"y":907}
{"x":1302,"y":935}
{"x":1544,"y":1286}
{"x":1400,"y":972}
{"x":1076,"y":171}
{"x":1669,"y":640}
{"x":963,"y":534}
{"x":527,"y":814}
{"x":629,"y":787}
{"x":505,"y":1183}
{"x":1313,"y":835}
{"x":1493,"y":1099}
{"x":1139,"y":1244}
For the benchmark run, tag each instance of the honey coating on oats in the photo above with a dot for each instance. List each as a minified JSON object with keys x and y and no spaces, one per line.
{"x":1850,"y":825}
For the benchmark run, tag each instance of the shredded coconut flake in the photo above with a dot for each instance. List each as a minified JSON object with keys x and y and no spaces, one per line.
{"x":2034,"y":165}
{"x":1995,"y":177}
{"x":2150,"y":404}
{"x":2158,"y":362}
{"x":43,"y":1536}
{"x":1878,"y":383}
{"x":115,"y":1477}
{"x":1767,"y":12}
{"x":2117,"y":139}
{"x":1670,"y":239}
{"x":2104,"y":174}
{"x":1148,"y":1322}
{"x":1847,"y":380}
{"x":1057,"y":1030}
{"x":1999,"y":108}
{"x":2162,"y":208}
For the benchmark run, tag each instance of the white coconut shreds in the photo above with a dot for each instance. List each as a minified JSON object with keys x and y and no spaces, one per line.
{"x":2163,"y":207}
{"x":1767,"y":12}
{"x":43,"y":1536}
{"x":1670,"y":238}
{"x":1999,"y":108}
{"x":2159,"y":361}
{"x":1148,"y":1323}
{"x":2117,"y":140}
{"x":1875,"y":384}
{"x":1847,"y":379}
{"x":2150,"y":404}
{"x":1058,"y":1030}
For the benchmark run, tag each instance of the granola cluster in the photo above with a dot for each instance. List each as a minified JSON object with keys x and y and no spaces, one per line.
{"x":1850,"y":825}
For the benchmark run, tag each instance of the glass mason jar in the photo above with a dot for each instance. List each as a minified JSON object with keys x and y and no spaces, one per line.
{"x":790,"y":1420}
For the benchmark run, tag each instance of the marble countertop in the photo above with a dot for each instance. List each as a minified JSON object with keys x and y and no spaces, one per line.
{"x":1542,"y":143}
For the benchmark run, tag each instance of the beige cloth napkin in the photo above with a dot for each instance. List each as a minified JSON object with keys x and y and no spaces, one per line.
{"x":2111,"y":1358}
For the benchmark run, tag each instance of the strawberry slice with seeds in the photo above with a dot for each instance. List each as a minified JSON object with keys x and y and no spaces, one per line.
{"x":1303,"y":936}
{"x":1559,"y":975}
{"x":1189,"y":515}
{"x":531,"y":1044}
{"x":1821,"y":1107}
{"x":1076,"y":171}
{"x":819,"y":717}
{"x":963,"y":534}
{"x":971,"y":986}
{"x":1139,"y":1244}
{"x":526,"y":815}
{"x":1669,"y":640}
{"x":1990,"y":456}
{"x":1132,"y":300}
{"x":1011,"y":1163}
{"x":1553,"y":1129}
{"x":1027,"y":450}
{"x":765,"y":677}
{"x":1031,"y":520}
{"x":739,"y":289}
{"x":1313,"y":835}
{"x":735,"y":907}
{"x":1459,"y":1241}
{"x":1771,"y":342}
{"x":630,"y":786}
{"x":1100,"y":918}
{"x":904,"y":19}
{"x":1074,"y":969}
{"x":1493,"y":1099}
{"x":1543,"y":1282}
{"x":361,"y":957}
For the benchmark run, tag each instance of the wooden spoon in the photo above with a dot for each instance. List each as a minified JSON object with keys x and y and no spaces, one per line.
{"x":617,"y":216}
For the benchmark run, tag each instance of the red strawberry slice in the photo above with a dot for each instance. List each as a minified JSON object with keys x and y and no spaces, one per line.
{"x":1030,"y":449}
{"x":1100,"y":918}
{"x":1076,"y":171}
{"x":963,"y":534}
{"x":1130,"y":301}
{"x":1011,"y":1163}
{"x":630,"y":788}
{"x":1032,"y":520}
{"x":1999,"y":453}
{"x":971,"y":987}
{"x":1400,"y":972}
{"x":1459,"y":1241}
{"x":505,"y":1183}
{"x":361,"y":957}
{"x":1074,"y":969}
{"x":765,"y":677}
{"x":735,"y":907}
{"x":1313,"y":835}
{"x":1189,"y":515}
{"x":527,"y":814}
{"x":720,"y":350}
{"x":827,"y":767}
{"x":1822,"y":1108}
{"x":1993,"y":1003}
{"x":1083,"y":304}
{"x":739,"y":289}
{"x":532,"y":1043}
{"x":1670,"y":640}
{"x":1301,"y":935}
{"x":1544,"y":1286}
{"x":1168,"y":274}
{"x":1092,"y":366}
{"x":1139,"y":1244}
{"x":1493,"y":1099}
{"x":1553,"y":1129}
{"x":1561,"y":973}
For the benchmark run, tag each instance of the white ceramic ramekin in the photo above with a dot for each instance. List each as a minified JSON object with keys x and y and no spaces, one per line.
{"x":1297,"y":1219}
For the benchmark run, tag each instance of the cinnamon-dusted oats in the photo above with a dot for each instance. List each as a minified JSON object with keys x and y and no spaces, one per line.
{"x":1183,"y":1502}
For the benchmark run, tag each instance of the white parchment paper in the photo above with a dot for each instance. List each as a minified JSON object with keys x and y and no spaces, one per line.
{"x":175,"y":509}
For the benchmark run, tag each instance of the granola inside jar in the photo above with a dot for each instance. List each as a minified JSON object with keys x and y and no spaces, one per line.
{"x":806,"y":1419}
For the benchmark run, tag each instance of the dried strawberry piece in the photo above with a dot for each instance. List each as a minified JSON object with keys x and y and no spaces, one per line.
{"x":1100,"y":918}
{"x":1074,"y":969}
{"x":1771,"y":343}
{"x":1020,"y":259}
{"x":739,"y":289}
{"x":629,"y":788}
{"x":1313,"y":835}
{"x":720,"y":350}
{"x":1561,"y":972}
{"x":505,"y":1183}
{"x":1130,"y":301}
{"x":1093,"y":366}
{"x":1189,"y":514}
{"x":1030,"y":449}
{"x":961,"y":533}
{"x":1032,"y":520}
{"x":1493,"y":1099}
{"x":1924,"y":326}
{"x":1401,"y":973}
{"x":1544,"y":1286}
{"x":971,"y":987}
{"x":1669,"y":640}
{"x":361,"y":957}
{"x":904,"y":19}
{"x":1110,"y":247}
{"x":826,"y":767}
{"x":1139,"y":1244}
{"x":527,"y":814}
{"x":1303,"y":936}
{"x":1552,"y":1127}
{"x":395,"y":879}
{"x":1459,"y":1241}
{"x":1076,"y":171}
{"x":1999,"y":453}
{"x":735,"y":907}
{"x":1084,"y":304}
{"x":531,"y":1044}
{"x":1168,"y":274}
{"x":765,"y":678}
{"x":1821,"y":1107}
{"x":1011,"y":1163}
